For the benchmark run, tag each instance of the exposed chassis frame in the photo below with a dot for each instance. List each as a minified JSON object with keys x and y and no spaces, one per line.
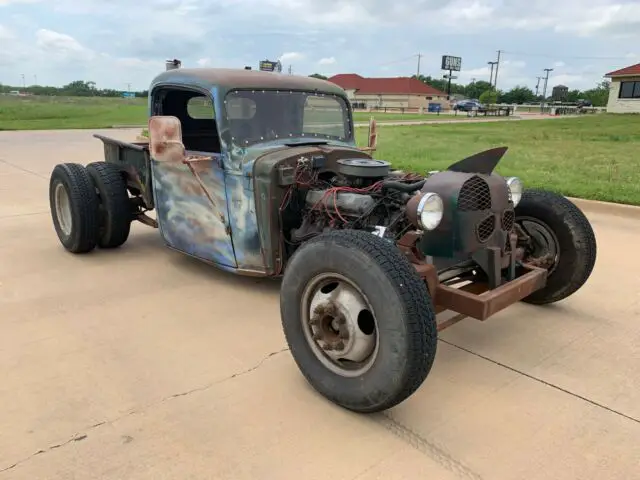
{"x":476,"y":299}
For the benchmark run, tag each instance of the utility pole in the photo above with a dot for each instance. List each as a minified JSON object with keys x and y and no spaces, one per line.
{"x":35,"y":79}
{"x":538,"y":85}
{"x":495,"y":80}
{"x":24,"y":84}
{"x":418,"y":74}
{"x":290,"y":70}
{"x":491,"y":74}
{"x":546,"y":79}
{"x":128,"y":87}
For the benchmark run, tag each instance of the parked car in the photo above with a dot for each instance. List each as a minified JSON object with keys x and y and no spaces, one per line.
{"x":259,"y":174}
{"x":469,"y":105}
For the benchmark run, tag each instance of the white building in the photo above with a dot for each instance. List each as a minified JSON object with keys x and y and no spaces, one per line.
{"x":624,"y":94}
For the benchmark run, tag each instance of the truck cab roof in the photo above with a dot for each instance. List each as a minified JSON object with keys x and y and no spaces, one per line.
{"x":230,"y":79}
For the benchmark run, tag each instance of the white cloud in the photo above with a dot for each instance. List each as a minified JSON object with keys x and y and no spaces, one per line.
{"x":291,"y":57}
{"x":5,"y":3}
{"x":120,"y":41}
{"x":327,"y":61}
{"x":58,"y":43}
{"x":5,"y":33}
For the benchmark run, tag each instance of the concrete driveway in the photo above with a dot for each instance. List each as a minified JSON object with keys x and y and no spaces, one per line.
{"x":142,"y":363}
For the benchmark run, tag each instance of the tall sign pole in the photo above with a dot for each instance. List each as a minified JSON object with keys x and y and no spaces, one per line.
{"x":452,"y":64}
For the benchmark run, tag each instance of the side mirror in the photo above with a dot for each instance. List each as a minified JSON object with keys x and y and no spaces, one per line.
{"x":165,"y":139}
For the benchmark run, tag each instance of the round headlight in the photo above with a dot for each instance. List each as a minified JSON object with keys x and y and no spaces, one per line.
{"x":430,"y":210}
{"x":516,"y":188}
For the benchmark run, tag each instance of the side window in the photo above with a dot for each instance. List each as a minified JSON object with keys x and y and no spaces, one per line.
{"x":323,"y":115}
{"x":200,"y":108}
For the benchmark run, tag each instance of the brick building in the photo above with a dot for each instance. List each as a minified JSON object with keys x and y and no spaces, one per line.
{"x":624,"y":94}
{"x":393,"y":93}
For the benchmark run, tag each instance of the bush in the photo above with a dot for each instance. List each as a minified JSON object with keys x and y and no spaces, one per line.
{"x":489,"y":97}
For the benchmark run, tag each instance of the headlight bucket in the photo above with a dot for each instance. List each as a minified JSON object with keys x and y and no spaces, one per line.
{"x":516,"y":188}
{"x":429,"y":211}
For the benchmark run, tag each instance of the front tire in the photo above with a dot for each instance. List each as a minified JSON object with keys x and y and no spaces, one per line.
{"x":74,"y":207}
{"x":358,"y":319}
{"x":561,"y":234}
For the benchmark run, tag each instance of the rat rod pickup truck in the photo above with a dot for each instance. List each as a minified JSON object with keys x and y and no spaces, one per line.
{"x":259,"y":174}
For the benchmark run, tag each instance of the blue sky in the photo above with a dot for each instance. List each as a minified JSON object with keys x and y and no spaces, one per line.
{"x":120,"y":42}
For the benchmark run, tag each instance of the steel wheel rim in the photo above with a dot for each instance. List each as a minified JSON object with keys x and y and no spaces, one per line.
{"x":343,"y":338}
{"x":63,"y":209}
{"x":544,"y":239}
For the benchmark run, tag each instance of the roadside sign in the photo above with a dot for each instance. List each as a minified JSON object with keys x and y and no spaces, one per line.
{"x":451,"y":63}
{"x":128,"y":94}
{"x":270,"y":66}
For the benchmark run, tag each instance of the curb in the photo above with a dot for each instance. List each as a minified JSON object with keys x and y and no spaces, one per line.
{"x":607,"y":208}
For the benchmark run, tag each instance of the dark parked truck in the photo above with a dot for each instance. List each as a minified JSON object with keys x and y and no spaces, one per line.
{"x":259,"y":174}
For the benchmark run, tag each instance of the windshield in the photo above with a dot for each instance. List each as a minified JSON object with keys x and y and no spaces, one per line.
{"x":255,"y":116}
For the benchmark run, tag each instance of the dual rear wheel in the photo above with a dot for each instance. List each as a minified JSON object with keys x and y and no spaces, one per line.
{"x":90,"y":206}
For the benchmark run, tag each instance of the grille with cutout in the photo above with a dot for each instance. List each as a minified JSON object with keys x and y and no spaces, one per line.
{"x":485,"y":228}
{"x":507,"y":220}
{"x":474,"y":195}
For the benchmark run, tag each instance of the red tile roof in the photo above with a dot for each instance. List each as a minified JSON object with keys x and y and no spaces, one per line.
{"x":374,"y":86}
{"x":632,"y":70}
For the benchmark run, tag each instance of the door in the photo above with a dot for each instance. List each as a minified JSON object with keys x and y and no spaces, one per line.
{"x":189,"y":183}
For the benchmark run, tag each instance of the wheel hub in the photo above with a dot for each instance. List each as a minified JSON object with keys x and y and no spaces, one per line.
{"x":63,"y":208}
{"x":340,"y":326}
{"x":544,"y":248}
{"x":329,"y":327}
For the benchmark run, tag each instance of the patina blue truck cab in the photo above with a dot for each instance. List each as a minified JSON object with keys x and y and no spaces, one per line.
{"x":259,"y":174}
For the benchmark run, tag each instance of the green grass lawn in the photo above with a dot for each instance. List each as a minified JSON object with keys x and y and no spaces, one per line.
{"x":44,"y":113}
{"x":595,"y":157}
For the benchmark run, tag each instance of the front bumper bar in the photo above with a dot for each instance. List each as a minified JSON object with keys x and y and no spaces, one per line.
{"x":476,"y":300}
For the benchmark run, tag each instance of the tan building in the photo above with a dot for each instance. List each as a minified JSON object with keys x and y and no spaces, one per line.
{"x":392,"y":93}
{"x":624,"y":94}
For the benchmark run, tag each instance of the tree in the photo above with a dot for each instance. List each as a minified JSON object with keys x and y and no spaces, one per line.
{"x":317,"y":75}
{"x":440,"y":84}
{"x":517,"y":95}
{"x":489,"y":97}
{"x":475,"y":89}
{"x":598,"y":96}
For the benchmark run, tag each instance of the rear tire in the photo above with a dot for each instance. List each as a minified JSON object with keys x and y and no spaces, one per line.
{"x":564,"y":232}
{"x":115,"y":207}
{"x":350,"y":294}
{"x":74,"y":207}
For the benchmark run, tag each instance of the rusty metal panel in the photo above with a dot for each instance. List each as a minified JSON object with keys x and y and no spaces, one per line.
{"x":190,"y":196}
{"x":490,"y":302}
{"x":165,"y":139}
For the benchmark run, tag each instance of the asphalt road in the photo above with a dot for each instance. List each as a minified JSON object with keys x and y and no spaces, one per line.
{"x":142,"y":363}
